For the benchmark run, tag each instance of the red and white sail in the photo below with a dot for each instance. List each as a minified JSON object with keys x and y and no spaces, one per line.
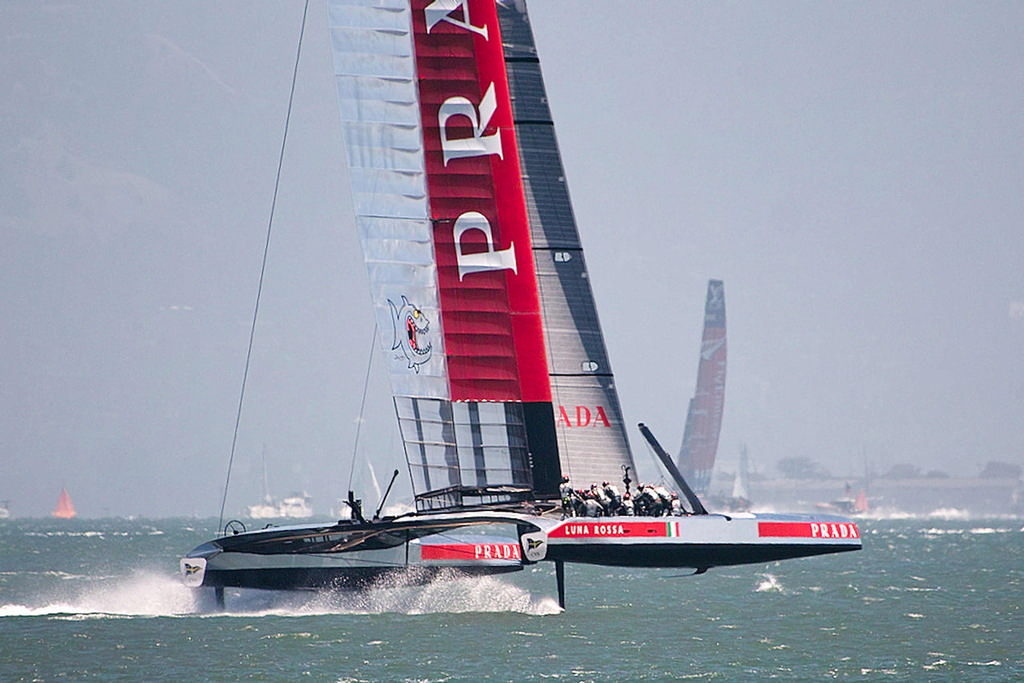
{"x":496,"y":360}
{"x":65,"y":509}
{"x":704,"y":417}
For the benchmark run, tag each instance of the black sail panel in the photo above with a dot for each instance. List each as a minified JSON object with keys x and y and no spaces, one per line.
{"x":591,"y":436}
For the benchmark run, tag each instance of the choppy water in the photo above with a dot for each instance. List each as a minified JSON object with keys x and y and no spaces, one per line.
{"x":927,"y":599}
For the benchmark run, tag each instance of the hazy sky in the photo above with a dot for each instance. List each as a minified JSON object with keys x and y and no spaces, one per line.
{"x":852,"y":170}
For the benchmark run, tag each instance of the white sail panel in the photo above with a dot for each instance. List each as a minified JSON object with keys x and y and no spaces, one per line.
{"x":376,"y":82}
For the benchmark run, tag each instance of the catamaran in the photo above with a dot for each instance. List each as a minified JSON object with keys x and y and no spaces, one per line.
{"x":501,"y":380}
{"x":704,"y":416}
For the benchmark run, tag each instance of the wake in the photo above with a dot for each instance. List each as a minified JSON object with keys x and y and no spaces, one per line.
{"x":152,"y":595}
{"x":139,"y":595}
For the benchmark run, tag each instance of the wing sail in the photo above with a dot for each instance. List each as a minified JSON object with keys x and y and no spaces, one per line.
{"x":495,"y":356}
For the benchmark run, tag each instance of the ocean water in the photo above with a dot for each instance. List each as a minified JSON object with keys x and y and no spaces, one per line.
{"x":927,"y":599}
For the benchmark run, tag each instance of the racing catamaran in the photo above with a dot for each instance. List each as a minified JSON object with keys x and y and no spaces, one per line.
{"x":501,"y":380}
{"x":704,"y":416}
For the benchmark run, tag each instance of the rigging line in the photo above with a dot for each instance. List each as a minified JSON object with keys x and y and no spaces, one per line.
{"x":362,"y":406}
{"x":263,"y":266}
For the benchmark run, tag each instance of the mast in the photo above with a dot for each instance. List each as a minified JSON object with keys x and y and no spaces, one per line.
{"x":704,"y":417}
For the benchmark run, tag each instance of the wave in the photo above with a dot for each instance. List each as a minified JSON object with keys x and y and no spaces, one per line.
{"x":769,"y":584}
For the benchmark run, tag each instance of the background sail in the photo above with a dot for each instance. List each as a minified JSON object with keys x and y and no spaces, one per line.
{"x":591,"y":434}
{"x":704,"y":418}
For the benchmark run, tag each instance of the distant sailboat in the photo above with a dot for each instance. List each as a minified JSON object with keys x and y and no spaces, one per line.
{"x":295,"y":506}
{"x":704,"y":417}
{"x":741,"y":484}
{"x":64,"y":510}
{"x":739,"y":501}
{"x":847,"y":505}
{"x":5,"y":511}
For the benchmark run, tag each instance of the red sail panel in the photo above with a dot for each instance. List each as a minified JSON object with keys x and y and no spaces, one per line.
{"x":490,"y":307}
{"x":64,"y":510}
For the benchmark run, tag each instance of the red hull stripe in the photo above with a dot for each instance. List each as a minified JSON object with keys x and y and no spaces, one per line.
{"x":490,"y":307}
{"x":612,"y":530}
{"x":471,"y":551}
{"x":807,"y":530}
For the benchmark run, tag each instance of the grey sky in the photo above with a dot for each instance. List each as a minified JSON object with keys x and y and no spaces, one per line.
{"x":852,"y":171}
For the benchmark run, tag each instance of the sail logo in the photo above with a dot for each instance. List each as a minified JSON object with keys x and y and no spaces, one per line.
{"x":411,"y":328}
{"x":582,"y":416}
{"x":710,"y":347}
{"x":487,"y":259}
{"x":441,"y":10}
{"x":716,"y":295}
{"x":473,"y":223}
{"x":477,"y":144}
{"x":456,"y":110}
{"x":486,"y":278}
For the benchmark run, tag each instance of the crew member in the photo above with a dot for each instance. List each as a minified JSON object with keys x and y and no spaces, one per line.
{"x":612,"y":493}
{"x":626,"y":509}
{"x":677,"y":507}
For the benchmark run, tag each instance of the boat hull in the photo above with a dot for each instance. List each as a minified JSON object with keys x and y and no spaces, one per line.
{"x":699,"y":541}
{"x":356,"y":556}
{"x":687,"y":555}
{"x":420,"y":548}
{"x":250,"y":572}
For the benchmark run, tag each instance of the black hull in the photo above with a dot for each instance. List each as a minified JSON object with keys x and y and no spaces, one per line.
{"x":690,"y":556}
{"x":340,"y":579}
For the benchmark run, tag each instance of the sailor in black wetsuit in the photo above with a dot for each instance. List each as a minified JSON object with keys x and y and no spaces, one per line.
{"x":626,"y":508}
{"x":614,"y":498}
{"x":567,"y":494}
